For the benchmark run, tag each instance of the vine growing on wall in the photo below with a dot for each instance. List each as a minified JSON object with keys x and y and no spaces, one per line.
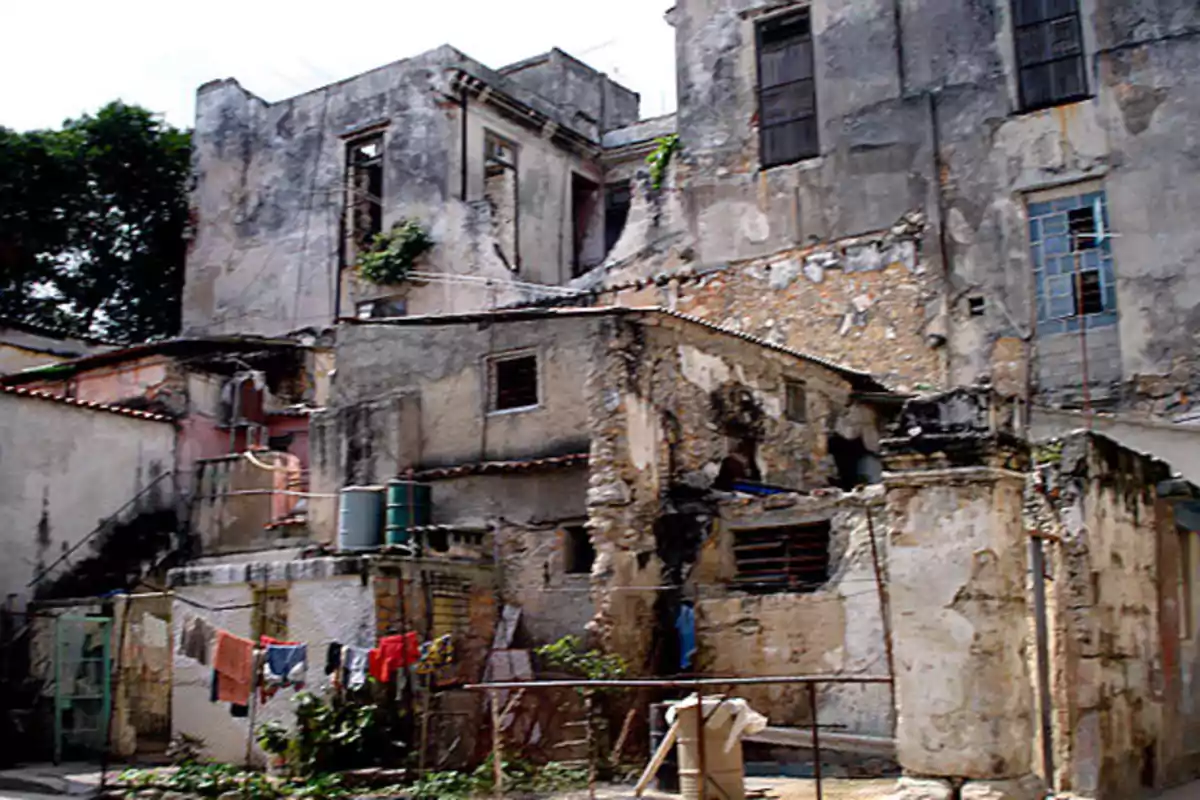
{"x":660,"y":159}
{"x":393,"y":253}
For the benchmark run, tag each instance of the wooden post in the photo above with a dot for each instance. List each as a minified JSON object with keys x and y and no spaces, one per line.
{"x":590,"y":736}
{"x":816,"y":737}
{"x":702,"y":778}
{"x":497,"y":747}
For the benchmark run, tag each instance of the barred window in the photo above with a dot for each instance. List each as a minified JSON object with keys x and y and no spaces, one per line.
{"x":794,"y":558}
{"x":787,"y":96}
{"x":1049,"y":47}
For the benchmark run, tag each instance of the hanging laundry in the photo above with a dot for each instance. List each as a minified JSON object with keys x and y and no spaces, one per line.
{"x":333,"y":658}
{"x":233,"y":661}
{"x":393,"y":653}
{"x":197,"y":640}
{"x":284,"y":665}
{"x":356,"y":661}
{"x":436,"y":654}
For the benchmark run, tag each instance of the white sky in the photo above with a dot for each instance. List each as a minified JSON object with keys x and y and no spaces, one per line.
{"x":60,"y":59}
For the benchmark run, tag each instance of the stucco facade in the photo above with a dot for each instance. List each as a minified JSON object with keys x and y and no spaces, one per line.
{"x":66,"y":467}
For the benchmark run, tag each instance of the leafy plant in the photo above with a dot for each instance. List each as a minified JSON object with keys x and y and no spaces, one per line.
{"x":273,"y":738}
{"x":185,"y":749}
{"x":568,"y":655}
{"x":393,"y":253}
{"x":558,"y":777}
{"x":333,"y":736}
{"x":439,"y":785}
{"x":660,"y":159}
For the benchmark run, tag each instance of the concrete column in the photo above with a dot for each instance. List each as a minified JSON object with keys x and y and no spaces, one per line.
{"x":957,"y":562}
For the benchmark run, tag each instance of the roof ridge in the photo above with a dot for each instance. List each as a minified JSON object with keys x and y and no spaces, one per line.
{"x":21,"y":391}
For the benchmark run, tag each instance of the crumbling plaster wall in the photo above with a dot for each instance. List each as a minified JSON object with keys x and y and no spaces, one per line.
{"x":268,"y":199}
{"x":932,"y":124}
{"x":64,"y":470}
{"x":660,"y":419}
{"x":581,"y":92}
{"x":1118,"y":676}
{"x":837,"y":629}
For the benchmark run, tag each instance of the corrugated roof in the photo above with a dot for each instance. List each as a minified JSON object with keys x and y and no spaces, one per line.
{"x":494,"y":467}
{"x":125,"y":412}
{"x":862,"y":381}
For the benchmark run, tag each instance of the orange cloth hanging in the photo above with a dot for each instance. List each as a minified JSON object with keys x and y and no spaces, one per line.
{"x":393,"y":653}
{"x":233,"y":661}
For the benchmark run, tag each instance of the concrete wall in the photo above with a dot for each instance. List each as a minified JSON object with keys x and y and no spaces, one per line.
{"x":836,"y":629}
{"x":269,"y":200}
{"x":931,"y":122}
{"x":576,"y":88}
{"x":64,"y":469}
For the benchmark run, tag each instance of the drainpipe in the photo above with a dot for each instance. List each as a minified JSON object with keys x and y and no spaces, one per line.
{"x":463,"y":116}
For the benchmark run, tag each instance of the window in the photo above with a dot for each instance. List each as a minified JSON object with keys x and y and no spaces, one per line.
{"x":500,"y":190}
{"x":513,"y":382}
{"x":1049,"y":47}
{"x":785,"y":559}
{"x":364,"y":194}
{"x":382,"y":308}
{"x":585,"y":219}
{"x":578,"y":552}
{"x":269,"y":617}
{"x":1072,"y":262}
{"x":617,"y":201}
{"x":787,"y":97}
{"x":797,"y":401}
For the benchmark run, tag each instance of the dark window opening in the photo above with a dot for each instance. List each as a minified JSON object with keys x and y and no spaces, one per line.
{"x":977,"y":306}
{"x":585,"y":216}
{"x":797,"y":401}
{"x":787,"y":97}
{"x":617,"y":201}
{"x":364,"y":194}
{"x":1082,"y":224}
{"x":1089,"y":296}
{"x":851,"y":459}
{"x":501,"y":191}
{"x":785,"y":559}
{"x":514,"y":383}
{"x":281,"y":443}
{"x":578,"y":553}
{"x":1049,"y":45}
{"x":382,"y":308}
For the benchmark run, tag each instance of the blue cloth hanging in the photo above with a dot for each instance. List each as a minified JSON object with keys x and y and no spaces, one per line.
{"x":685,"y":625}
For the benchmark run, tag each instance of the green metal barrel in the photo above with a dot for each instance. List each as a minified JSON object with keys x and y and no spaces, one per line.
{"x":408,"y":506}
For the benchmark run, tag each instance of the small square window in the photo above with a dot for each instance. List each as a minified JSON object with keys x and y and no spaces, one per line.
{"x":785,"y":559}
{"x":270,"y":617}
{"x":1082,"y":224}
{"x":977,"y":306}
{"x":797,"y":401}
{"x":1089,"y":294}
{"x":578,"y":552}
{"x":514,"y":383}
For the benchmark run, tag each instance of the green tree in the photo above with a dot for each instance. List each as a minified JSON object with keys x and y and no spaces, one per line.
{"x":92,"y":224}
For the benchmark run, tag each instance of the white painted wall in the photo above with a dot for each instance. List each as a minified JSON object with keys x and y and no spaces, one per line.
{"x":64,"y":468}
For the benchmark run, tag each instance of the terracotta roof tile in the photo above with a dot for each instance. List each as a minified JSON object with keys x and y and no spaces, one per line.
{"x":54,"y":398}
{"x":492,"y":467}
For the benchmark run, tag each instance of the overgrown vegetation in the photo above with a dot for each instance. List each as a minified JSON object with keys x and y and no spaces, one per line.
{"x":329,"y":736}
{"x":519,"y":776}
{"x":660,"y":159}
{"x":393,"y":253}
{"x":568,"y":655}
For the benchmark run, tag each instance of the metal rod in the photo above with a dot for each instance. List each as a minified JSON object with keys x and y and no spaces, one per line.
{"x":497,"y":747}
{"x":702,"y":778}
{"x":1038,"y":566}
{"x":665,"y":683}
{"x":262,"y":616}
{"x":589,"y":698}
{"x":816,"y":737}
{"x":1083,"y":354}
{"x":885,"y":612}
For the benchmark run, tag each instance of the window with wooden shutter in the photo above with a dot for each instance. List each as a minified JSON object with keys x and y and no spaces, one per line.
{"x":1049,"y":46}
{"x":787,"y":96}
{"x":794,"y":558}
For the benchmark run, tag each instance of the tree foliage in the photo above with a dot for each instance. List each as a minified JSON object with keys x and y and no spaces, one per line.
{"x":92,"y":223}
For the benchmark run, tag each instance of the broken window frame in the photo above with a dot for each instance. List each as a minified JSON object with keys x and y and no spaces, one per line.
{"x":1056,"y":247}
{"x":362,"y":216}
{"x":381,"y":308}
{"x":502,"y":153}
{"x":1035,"y":26}
{"x":576,"y":539}
{"x":783,"y":559}
{"x":494,"y":389}
{"x":800,"y":93}
{"x":581,"y":223}
{"x":618,"y":201}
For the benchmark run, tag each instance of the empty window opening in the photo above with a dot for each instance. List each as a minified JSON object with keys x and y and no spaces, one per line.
{"x":797,"y":401}
{"x":977,"y":305}
{"x":500,"y":190}
{"x":514,"y":382}
{"x":1049,"y":47}
{"x":586,"y":220}
{"x":617,"y":201}
{"x":1072,"y":262}
{"x":852,"y":460}
{"x":578,"y":552}
{"x":270,"y":613}
{"x":787,"y":97}
{"x":784,"y":559}
{"x":364,"y":194}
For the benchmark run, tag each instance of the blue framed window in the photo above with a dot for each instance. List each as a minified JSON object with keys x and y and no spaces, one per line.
{"x":1064,"y":234}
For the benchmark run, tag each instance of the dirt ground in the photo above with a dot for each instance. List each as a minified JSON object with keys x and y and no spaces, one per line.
{"x":773,"y":788}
